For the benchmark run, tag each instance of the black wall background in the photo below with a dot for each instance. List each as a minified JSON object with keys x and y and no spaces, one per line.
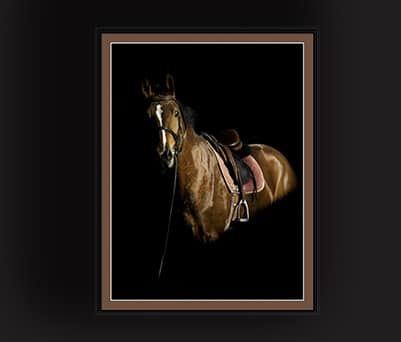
{"x":47,"y":144}
{"x":256,"y":89}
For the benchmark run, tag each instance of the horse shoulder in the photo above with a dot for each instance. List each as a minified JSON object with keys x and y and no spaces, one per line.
{"x":206,"y":194}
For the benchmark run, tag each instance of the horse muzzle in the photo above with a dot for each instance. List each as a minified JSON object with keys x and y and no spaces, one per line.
{"x":168,"y":158}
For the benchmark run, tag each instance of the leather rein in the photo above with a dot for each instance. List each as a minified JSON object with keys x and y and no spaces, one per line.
{"x":179,"y":137}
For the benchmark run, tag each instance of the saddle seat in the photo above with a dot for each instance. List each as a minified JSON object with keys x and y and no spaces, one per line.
{"x":248,"y":169}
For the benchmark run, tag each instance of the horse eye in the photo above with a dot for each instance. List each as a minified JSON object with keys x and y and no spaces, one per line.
{"x":176,"y":113}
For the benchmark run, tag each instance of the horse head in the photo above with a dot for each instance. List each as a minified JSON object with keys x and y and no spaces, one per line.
{"x":166,"y":111}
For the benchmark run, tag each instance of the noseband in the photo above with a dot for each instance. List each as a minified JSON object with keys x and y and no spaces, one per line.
{"x":180,"y":134}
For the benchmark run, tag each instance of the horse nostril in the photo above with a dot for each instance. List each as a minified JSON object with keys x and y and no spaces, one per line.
{"x":166,"y":155}
{"x":167,"y":158}
{"x":169,"y":154}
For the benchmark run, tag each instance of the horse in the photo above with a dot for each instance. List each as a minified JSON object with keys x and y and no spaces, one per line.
{"x":210,"y":201}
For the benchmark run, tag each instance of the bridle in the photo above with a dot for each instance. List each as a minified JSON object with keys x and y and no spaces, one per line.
{"x":179,"y":138}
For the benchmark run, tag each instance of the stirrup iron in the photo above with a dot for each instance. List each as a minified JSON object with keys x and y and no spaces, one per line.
{"x":243,"y":203}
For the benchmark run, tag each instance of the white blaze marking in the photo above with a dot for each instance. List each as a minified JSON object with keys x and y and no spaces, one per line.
{"x":159,"y":112}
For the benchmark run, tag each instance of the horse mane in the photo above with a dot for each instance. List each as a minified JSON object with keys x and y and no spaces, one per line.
{"x":190,"y":115}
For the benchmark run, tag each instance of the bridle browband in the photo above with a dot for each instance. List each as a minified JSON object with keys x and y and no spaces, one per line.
{"x":180,"y":134}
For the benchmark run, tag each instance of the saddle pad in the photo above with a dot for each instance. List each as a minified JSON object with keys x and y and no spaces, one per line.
{"x":248,"y":187}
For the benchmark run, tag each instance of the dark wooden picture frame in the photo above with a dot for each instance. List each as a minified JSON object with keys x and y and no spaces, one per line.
{"x":307,"y":41}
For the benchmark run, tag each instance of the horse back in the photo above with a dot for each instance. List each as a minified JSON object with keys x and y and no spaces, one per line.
{"x":279,"y":176}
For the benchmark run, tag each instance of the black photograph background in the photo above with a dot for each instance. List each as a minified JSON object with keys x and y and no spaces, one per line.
{"x":254,"y":88}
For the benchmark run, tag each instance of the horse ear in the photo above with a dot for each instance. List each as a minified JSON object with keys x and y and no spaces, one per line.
{"x":170,"y":84}
{"x":146,"y":88}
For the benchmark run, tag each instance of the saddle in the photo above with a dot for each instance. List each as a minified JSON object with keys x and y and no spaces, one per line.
{"x":240,"y":171}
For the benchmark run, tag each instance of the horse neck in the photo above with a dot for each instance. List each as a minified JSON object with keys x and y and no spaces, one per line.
{"x":192,"y":154}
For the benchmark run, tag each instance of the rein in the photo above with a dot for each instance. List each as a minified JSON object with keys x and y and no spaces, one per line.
{"x":169,"y":220}
{"x":179,"y":137}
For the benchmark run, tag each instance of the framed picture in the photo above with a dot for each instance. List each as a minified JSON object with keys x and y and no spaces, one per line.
{"x":206,"y":171}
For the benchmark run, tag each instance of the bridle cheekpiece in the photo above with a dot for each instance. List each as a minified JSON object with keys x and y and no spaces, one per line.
{"x":178,"y":136}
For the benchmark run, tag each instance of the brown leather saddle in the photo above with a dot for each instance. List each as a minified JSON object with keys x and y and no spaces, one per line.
{"x":239,"y":170}
{"x":232,"y":151}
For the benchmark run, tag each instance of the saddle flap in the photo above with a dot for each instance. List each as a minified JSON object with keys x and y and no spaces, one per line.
{"x":248,"y":186}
